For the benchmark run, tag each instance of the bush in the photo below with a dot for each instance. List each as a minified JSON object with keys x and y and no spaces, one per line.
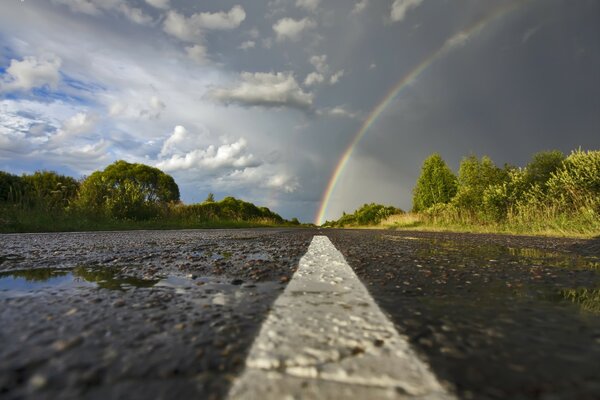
{"x":127,"y":191}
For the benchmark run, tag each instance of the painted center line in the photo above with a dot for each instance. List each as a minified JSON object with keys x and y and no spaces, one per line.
{"x":326,"y":338}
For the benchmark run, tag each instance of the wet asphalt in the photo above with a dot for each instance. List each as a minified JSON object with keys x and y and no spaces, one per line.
{"x":496,"y":317}
{"x":164,"y":314}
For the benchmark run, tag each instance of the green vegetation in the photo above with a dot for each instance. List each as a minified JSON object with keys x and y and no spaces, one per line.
{"x":551,"y":195}
{"x":368,"y":214}
{"x":436,"y":185}
{"x":122,"y":196}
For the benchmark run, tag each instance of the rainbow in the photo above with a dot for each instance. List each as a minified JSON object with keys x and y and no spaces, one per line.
{"x":458,"y":40}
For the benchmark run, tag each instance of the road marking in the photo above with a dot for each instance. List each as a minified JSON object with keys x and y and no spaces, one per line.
{"x":326,"y":338}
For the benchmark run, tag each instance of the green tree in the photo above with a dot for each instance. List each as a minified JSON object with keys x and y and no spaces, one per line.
{"x":11,"y":187}
{"x":210,"y":198}
{"x":542,"y":166}
{"x":437,"y":184}
{"x":474,"y":177}
{"x":128,"y":191}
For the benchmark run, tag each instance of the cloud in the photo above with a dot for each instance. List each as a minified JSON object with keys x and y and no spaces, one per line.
{"x":155,"y":108}
{"x":265,"y":89}
{"x":197,"y":53}
{"x":309,"y":5}
{"x":338,"y":111}
{"x":31,"y":72}
{"x":401,"y":7}
{"x":178,"y":154}
{"x":135,"y":14}
{"x":320,"y":63}
{"x":76,"y":125}
{"x":457,"y":40}
{"x":336,"y":77}
{"x":162,"y":4}
{"x":248,"y":44}
{"x":291,"y":29}
{"x":372,"y":66}
{"x":261,"y":177}
{"x":82,"y":6}
{"x":190,"y":29}
{"x":314,"y":78}
{"x":96,"y":7}
{"x":360,"y":6}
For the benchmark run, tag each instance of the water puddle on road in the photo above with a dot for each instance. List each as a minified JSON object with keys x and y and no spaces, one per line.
{"x":33,"y":280}
{"x":217,"y":291}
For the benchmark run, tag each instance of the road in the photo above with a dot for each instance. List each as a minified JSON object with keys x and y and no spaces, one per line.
{"x":164,"y":314}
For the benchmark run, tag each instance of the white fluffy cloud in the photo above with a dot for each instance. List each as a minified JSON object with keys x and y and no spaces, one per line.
{"x":74,"y":126}
{"x":292,"y":29}
{"x":265,"y":89}
{"x":401,"y":7}
{"x":181,"y":152}
{"x":310,"y":5}
{"x":190,"y":29}
{"x":261,"y":177}
{"x":314,"y":78}
{"x":31,"y":72}
{"x":336,"y":77}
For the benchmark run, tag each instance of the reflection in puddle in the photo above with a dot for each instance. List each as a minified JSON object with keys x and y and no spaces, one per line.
{"x":587,"y":299}
{"x":492,"y":252}
{"x":42,"y":278}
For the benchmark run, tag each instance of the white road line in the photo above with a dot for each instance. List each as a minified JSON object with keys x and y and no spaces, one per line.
{"x":326,"y":338}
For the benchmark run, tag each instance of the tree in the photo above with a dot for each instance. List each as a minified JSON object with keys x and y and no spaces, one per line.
{"x":128,"y":191}
{"x":474,"y":177}
{"x":542,"y":166}
{"x":210,"y":198}
{"x":437,"y":184}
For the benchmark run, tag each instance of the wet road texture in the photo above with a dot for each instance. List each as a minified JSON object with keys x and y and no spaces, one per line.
{"x":167,"y":314}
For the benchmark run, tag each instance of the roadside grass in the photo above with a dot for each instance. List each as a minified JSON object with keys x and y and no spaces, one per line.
{"x":14,"y":220}
{"x":582,"y":227}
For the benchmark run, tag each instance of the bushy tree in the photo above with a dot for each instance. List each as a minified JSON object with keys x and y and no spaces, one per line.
{"x":474,"y":177}
{"x":542,"y":166}
{"x":128,"y":191}
{"x":576,"y":184}
{"x":437,"y":184}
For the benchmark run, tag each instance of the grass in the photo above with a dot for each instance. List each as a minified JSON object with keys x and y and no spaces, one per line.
{"x":558,"y":227}
{"x":35,"y":221}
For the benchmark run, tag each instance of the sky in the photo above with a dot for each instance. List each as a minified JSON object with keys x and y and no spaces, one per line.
{"x":308,"y":107}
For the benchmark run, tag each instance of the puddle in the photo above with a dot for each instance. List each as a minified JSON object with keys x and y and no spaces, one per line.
{"x":588,"y":300}
{"x":38,"y":279}
{"x":487,"y":254}
{"x":218,"y":290}
{"x":33,"y":280}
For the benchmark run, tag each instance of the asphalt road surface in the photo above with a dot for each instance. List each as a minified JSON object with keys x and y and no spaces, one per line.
{"x":166,"y":314}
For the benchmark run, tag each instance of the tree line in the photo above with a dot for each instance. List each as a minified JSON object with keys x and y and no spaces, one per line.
{"x":551,"y":187}
{"x":123,"y":191}
{"x":553,"y":193}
